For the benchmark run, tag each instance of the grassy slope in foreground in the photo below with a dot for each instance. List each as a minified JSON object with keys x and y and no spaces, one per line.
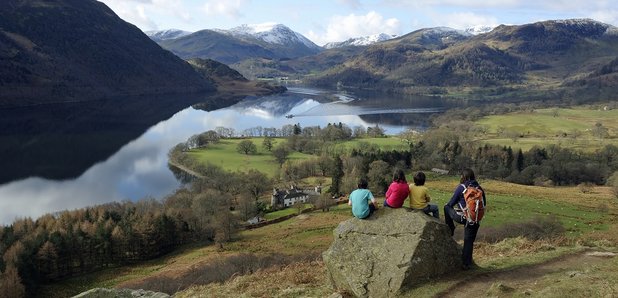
{"x":549,"y":126}
{"x":584,"y":222}
{"x":587,"y":217}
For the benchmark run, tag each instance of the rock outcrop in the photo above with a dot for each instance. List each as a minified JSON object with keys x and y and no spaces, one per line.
{"x":392,"y":250}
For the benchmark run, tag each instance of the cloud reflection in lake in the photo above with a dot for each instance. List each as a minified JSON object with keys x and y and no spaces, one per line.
{"x":139,"y":168}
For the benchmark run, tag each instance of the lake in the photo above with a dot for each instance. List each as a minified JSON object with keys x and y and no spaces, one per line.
{"x":66,"y":156}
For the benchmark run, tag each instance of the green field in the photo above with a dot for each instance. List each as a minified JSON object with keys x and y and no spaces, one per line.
{"x":224,"y":153}
{"x":571,"y":128}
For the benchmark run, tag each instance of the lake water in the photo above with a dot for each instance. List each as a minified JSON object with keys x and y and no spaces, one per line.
{"x":59,"y":157}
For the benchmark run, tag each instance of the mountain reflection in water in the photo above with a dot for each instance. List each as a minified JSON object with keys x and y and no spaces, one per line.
{"x":66,"y":156}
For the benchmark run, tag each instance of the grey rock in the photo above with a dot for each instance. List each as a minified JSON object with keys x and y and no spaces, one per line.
{"x":392,"y":250}
{"x":120,"y":293}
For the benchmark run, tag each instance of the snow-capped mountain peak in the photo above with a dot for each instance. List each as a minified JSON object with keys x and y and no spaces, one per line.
{"x":479,"y":29}
{"x":255,"y":28}
{"x":158,"y":35}
{"x":272,"y":33}
{"x":360,"y":41}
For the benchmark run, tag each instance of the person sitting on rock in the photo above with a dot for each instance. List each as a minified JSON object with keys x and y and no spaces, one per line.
{"x":362,"y":201}
{"x":398,"y":190}
{"x":419,"y":196}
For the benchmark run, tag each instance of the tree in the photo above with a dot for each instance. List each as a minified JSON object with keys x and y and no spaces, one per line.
{"x":268,"y":143}
{"x":359,"y":131}
{"x":375,"y":132}
{"x":208,"y":137}
{"x":324,"y":164}
{"x":378,"y":176}
{"x":297,"y":129}
{"x":299,"y":205}
{"x":256,"y":183}
{"x":247,"y":207}
{"x":10,"y":283}
{"x":519,"y":164}
{"x":324,"y":202}
{"x":281,"y":154}
{"x":47,"y":258}
{"x":247,"y":147}
{"x":600,"y":131}
{"x":336,"y":176}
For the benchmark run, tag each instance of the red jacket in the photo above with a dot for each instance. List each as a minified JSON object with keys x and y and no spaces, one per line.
{"x":397,"y":193}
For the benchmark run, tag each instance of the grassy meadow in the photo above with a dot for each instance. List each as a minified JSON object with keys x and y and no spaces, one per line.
{"x":567,"y":127}
{"x":224,"y":153}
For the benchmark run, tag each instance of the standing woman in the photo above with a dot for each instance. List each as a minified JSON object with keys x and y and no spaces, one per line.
{"x":451,"y":214}
{"x":398,"y":190}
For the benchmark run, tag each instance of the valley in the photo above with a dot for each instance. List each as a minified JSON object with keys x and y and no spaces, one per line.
{"x":218,"y":162}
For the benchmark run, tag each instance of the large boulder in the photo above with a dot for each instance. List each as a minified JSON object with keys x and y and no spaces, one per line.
{"x":392,"y":250}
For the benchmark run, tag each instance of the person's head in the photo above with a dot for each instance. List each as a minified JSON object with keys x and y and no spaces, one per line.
{"x":399,"y":176}
{"x":466,"y":175}
{"x":362,"y":183}
{"x":419,"y":179}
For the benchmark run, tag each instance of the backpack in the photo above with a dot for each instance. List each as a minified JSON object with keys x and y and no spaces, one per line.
{"x":475,"y":206}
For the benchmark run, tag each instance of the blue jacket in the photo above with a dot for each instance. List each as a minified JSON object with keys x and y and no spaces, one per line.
{"x":458,"y":199}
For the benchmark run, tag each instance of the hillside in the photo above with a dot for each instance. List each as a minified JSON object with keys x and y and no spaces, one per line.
{"x":282,"y":259}
{"x":295,"y":68}
{"x":533,"y":57}
{"x":230,"y":83}
{"x":73,"y":50}
{"x":241,"y":43}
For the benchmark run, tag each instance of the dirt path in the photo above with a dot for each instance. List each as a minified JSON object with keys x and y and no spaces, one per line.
{"x":524,"y":281}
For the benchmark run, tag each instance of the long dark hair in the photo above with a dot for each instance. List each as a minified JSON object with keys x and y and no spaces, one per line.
{"x":362,"y":183}
{"x":399,"y":176}
{"x":467,"y":175}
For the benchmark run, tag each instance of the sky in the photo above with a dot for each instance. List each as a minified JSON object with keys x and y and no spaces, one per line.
{"x":324,"y":21}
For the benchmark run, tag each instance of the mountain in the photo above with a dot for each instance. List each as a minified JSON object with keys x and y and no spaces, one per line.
{"x":550,"y":56}
{"x":159,"y":35}
{"x":336,"y":56}
{"x":360,"y":41}
{"x":271,"y":41}
{"x":276,"y":34}
{"x":75,"y":50}
{"x":231,"y":85}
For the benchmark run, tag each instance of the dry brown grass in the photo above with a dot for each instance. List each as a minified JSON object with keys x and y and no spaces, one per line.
{"x":305,"y":279}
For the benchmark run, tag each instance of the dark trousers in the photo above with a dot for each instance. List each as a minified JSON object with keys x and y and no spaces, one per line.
{"x":372,"y":208}
{"x":451,"y":216}
{"x":433,"y":210}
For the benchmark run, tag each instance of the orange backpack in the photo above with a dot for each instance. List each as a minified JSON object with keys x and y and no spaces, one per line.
{"x":475,"y":206}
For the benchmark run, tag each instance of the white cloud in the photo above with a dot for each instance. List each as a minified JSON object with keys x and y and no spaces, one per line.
{"x":133,"y":12}
{"x":463,"y":20}
{"x":341,"y":28}
{"x":454,"y":3}
{"x":606,"y":16}
{"x":230,"y":8}
{"x":143,"y":13}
